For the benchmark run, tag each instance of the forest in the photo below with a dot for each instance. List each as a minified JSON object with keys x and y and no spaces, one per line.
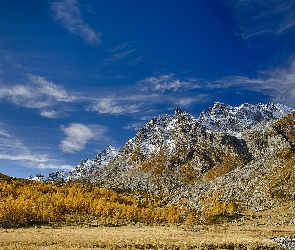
{"x":26,"y":203}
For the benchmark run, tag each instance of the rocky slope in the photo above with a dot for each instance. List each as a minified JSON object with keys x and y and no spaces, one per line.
{"x":243,"y":153}
{"x":235,"y":120}
{"x":85,"y":167}
{"x":238,"y":150}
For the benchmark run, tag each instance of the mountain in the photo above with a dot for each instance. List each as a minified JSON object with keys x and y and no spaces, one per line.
{"x":180,"y":156}
{"x":85,"y":167}
{"x":234,"y":120}
{"x":37,"y":177}
{"x":244,"y":153}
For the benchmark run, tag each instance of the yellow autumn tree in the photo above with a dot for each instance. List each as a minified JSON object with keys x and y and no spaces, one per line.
{"x":24,"y":202}
{"x":214,"y":205}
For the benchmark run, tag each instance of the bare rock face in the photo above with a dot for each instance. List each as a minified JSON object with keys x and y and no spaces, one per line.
{"x":172,"y":151}
{"x":269,"y":177}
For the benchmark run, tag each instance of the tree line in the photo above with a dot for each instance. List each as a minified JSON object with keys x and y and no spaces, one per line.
{"x":26,"y":202}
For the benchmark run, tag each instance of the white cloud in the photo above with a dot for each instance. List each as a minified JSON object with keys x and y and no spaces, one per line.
{"x":24,"y":157}
{"x":47,"y":88}
{"x":134,"y":126}
{"x":68,"y":13}
{"x":37,"y":93}
{"x":35,"y":161}
{"x":20,"y":91}
{"x":49,"y":113}
{"x":110,"y":105}
{"x":255,"y":18}
{"x":278,"y":84}
{"x":190,"y":100}
{"x":78,"y":135}
{"x":146,"y":94}
{"x":55,"y":166}
{"x":167,"y":82}
{"x":13,"y":149}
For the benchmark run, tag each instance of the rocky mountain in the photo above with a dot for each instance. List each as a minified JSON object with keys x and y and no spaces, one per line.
{"x":37,"y":177}
{"x":234,"y":120}
{"x":85,"y":167}
{"x":244,"y":153}
{"x":227,"y":148}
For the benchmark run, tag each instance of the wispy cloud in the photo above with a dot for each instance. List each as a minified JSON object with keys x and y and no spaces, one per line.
{"x":147,"y":94}
{"x":167,"y":82}
{"x":68,"y":13}
{"x":3,"y":133}
{"x":120,"y":55}
{"x":9,"y":144}
{"x":125,"y":52}
{"x":78,"y":135}
{"x":110,"y":105}
{"x":38,"y":93}
{"x":134,"y":126}
{"x":49,"y":113}
{"x":13,"y":149}
{"x":56,"y":92}
{"x":255,"y":18}
{"x":278,"y":84}
{"x":186,"y":101}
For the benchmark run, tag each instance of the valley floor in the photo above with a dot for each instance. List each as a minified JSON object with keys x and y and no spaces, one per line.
{"x":227,"y":236}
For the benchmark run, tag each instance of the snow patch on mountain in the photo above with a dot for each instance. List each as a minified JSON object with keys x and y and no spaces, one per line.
{"x":234,"y":120}
{"x":84,"y":167}
{"x":87,"y":166}
{"x":161,"y":130}
{"x":37,"y":177}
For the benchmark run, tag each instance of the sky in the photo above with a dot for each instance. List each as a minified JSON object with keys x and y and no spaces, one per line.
{"x":79,"y":75}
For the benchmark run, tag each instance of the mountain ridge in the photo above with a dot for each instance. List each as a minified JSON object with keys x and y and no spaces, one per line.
{"x":223,"y":117}
{"x":183,"y":157}
{"x":85,"y":167}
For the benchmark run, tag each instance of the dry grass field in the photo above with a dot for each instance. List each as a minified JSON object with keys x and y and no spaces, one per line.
{"x":249,"y":230}
{"x":227,"y":236}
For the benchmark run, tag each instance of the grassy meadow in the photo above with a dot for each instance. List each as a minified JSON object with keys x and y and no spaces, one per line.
{"x":144,"y":237}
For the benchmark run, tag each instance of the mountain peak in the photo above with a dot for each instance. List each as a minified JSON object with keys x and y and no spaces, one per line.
{"x":110,"y":148}
{"x":106,"y":155}
{"x":87,"y":166}
{"x":178,"y":111}
{"x":234,"y":120}
{"x":220,"y":105}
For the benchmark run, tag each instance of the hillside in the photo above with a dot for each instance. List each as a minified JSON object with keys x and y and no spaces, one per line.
{"x":78,"y":216}
{"x":244,"y":153}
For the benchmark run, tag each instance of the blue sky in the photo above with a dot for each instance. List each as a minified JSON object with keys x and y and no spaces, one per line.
{"x":79,"y":75}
